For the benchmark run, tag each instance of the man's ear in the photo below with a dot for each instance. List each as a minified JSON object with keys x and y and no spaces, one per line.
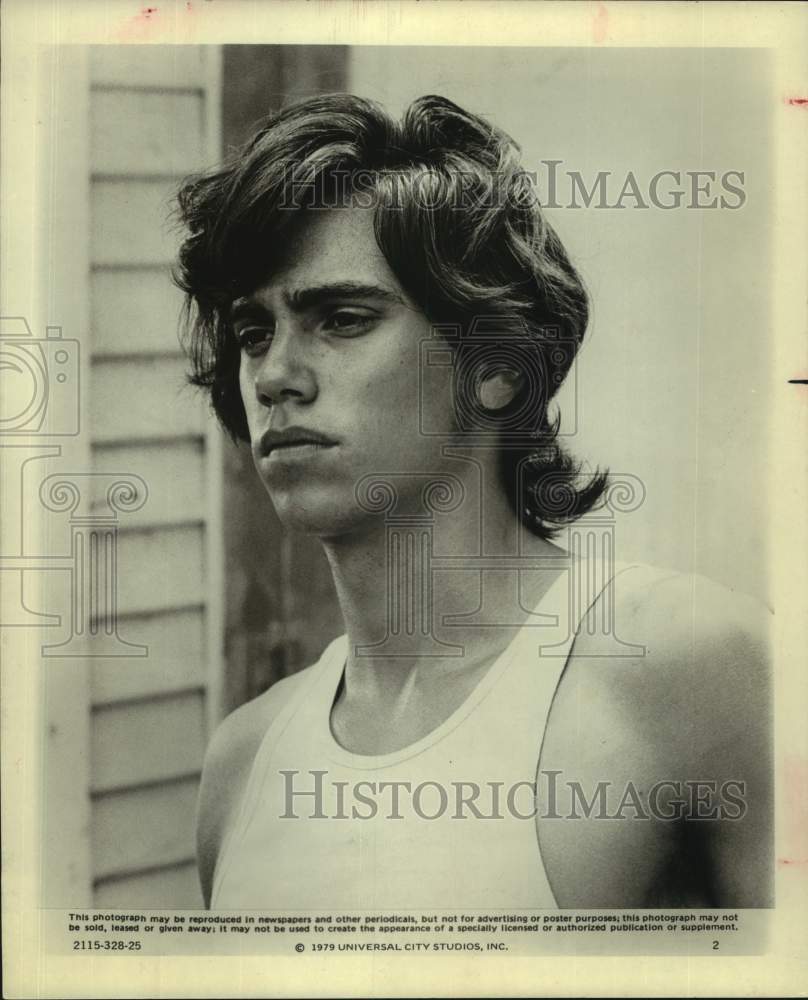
{"x":500,"y":389}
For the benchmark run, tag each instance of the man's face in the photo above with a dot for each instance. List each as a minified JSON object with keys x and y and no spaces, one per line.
{"x":330,"y":350}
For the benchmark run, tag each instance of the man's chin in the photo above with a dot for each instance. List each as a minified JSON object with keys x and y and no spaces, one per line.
{"x":321,"y":516}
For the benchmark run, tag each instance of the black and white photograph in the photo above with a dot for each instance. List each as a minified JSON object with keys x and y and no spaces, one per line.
{"x":396,"y":563}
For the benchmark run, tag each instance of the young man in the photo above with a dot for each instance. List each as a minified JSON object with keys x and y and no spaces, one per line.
{"x":383,"y":312}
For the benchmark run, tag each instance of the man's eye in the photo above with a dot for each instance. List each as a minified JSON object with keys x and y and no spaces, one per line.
{"x":253,"y":339}
{"x":347,"y":321}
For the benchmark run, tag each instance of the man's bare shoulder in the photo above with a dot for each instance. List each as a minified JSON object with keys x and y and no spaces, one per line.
{"x":668,"y":614}
{"x":697,"y":637}
{"x":228,"y":763}
{"x":701,"y":648}
{"x":690,"y":702}
{"x":675,"y":608}
{"x":237,"y":738}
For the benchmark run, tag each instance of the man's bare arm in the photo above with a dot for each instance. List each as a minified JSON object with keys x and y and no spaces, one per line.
{"x":696,"y":708}
{"x":732,"y":744}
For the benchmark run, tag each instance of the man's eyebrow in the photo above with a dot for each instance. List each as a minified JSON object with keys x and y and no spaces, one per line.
{"x":314,"y":295}
{"x":301,"y":299}
{"x":247,"y":309}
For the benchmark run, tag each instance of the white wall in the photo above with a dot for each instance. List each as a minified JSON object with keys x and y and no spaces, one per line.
{"x":673,"y":383}
{"x":153,"y":118}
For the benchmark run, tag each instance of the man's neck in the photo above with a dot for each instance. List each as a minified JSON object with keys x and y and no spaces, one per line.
{"x":399,"y":579}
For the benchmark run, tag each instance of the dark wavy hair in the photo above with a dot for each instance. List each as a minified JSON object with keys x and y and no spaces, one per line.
{"x":458,"y":221}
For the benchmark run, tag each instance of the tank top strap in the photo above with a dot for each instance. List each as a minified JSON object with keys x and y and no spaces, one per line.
{"x":524,"y":691}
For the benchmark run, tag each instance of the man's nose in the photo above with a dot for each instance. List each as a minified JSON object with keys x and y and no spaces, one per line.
{"x":283,"y":372}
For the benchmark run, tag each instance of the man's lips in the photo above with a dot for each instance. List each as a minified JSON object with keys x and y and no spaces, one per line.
{"x":291,"y":437}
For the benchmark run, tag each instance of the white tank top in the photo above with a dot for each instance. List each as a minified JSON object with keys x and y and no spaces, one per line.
{"x":290,"y":851}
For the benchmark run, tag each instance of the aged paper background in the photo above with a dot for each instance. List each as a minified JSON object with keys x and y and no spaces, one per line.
{"x":28,"y":142}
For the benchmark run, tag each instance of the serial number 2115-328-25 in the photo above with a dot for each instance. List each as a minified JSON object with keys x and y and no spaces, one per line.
{"x":93,"y":945}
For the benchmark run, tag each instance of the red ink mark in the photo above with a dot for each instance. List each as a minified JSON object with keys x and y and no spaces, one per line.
{"x":600,"y":24}
{"x":795,"y":803}
{"x":792,"y":861}
{"x":797,"y":102}
{"x":140,"y":27}
{"x":145,"y":14}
